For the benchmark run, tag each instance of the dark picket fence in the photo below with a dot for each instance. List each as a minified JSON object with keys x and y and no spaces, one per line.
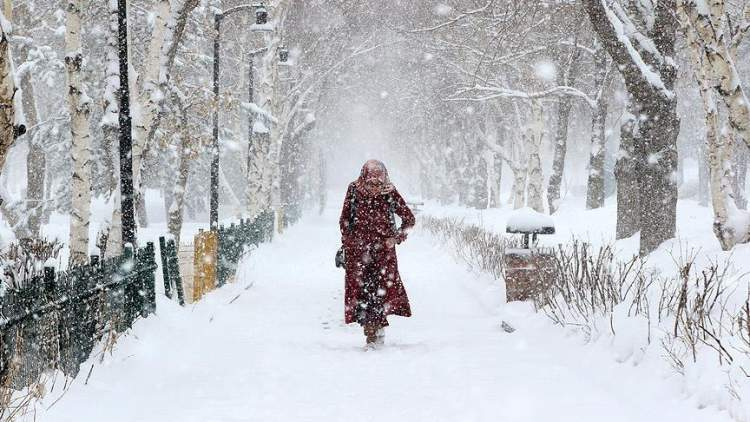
{"x":170,"y":269}
{"x":56,"y":319}
{"x":234,"y":239}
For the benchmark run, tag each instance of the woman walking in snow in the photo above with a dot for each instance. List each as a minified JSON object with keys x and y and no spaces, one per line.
{"x":369,"y":235}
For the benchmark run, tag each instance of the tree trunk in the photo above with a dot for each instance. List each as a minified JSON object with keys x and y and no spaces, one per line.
{"x":595,"y":190}
{"x":626,"y":173}
{"x":649,"y":73}
{"x":703,"y":177}
{"x":721,"y":190}
{"x":536,"y":178}
{"x":713,"y":62}
{"x":7,"y":94}
{"x":262,"y":190}
{"x":114,"y":238}
{"x":658,"y":153}
{"x":480,"y":195}
{"x":79,"y":104}
{"x":169,"y":28}
{"x":740,"y":176}
{"x":178,"y":204}
{"x":567,"y":78}
{"x":147,"y":100}
{"x":561,"y":147}
{"x":719,"y":60}
{"x":595,"y":185}
{"x":322,"y":182}
{"x":35,"y":160}
{"x":496,"y":180}
{"x":110,"y":116}
{"x":496,"y":164}
{"x":111,"y":132}
{"x":519,"y":166}
{"x":276,"y":106}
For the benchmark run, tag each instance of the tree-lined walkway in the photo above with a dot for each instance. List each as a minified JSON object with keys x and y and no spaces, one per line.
{"x":272,"y":347}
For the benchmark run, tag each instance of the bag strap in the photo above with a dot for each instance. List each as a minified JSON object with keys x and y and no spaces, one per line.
{"x":392,"y":212}
{"x":352,"y":207}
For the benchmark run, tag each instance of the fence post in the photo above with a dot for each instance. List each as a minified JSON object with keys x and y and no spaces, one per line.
{"x":50,"y":327}
{"x":149,"y":279}
{"x":49,"y":280}
{"x":165,"y":267}
{"x":221,"y":251}
{"x":131,"y":290}
{"x":270,"y":218}
{"x":174,"y":271}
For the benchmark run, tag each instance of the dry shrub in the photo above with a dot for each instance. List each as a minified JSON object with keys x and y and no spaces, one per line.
{"x":693,"y":306}
{"x":479,"y":248}
{"x":23,"y":260}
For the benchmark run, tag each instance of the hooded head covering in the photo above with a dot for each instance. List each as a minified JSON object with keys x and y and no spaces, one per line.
{"x":373,"y":179}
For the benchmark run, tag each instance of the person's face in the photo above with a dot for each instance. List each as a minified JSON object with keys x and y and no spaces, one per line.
{"x":374,"y":183}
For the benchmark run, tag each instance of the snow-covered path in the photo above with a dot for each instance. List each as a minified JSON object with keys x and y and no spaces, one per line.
{"x":280,"y":352}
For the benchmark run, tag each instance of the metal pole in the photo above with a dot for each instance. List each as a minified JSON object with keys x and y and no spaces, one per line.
{"x":126,"y":139}
{"x":214,"y":200}
{"x":251,"y":116}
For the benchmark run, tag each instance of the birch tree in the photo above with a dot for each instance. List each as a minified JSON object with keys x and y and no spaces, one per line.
{"x":79,"y":105}
{"x":713,"y":55}
{"x":7,"y":93}
{"x":536,"y":178}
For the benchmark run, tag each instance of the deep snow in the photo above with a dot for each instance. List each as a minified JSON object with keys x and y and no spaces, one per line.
{"x":272,"y":347}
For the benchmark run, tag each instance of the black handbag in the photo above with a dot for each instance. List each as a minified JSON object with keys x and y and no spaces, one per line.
{"x":340,"y":258}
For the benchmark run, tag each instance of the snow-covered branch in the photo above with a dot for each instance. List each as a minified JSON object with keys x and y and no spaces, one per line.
{"x":496,"y":92}
{"x":453,"y":21}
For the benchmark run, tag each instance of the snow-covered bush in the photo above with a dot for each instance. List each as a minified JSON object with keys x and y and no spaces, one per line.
{"x":695,"y":320}
{"x":25,"y":259}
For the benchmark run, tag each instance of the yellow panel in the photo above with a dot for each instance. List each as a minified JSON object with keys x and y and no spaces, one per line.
{"x":206,"y":249}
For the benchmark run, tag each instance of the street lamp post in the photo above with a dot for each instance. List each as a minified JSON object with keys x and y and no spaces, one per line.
{"x":125,"y":122}
{"x":261,"y":16}
{"x":214,"y":201}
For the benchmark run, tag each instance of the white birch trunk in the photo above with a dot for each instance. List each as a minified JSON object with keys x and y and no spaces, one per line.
{"x":518,"y":165}
{"x":79,"y":105}
{"x":147,"y":103}
{"x":176,"y":209}
{"x":713,"y":62}
{"x":114,"y":239}
{"x":7,"y":93}
{"x":110,"y":130}
{"x":264,"y":169}
{"x":536,"y":177}
{"x":719,"y":60}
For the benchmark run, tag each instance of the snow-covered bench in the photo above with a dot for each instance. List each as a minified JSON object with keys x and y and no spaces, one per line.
{"x":528,"y":268}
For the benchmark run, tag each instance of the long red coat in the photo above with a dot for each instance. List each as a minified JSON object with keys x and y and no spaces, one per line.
{"x":365,"y":244}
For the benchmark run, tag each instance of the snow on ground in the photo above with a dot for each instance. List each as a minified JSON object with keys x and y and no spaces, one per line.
{"x":272,"y":347}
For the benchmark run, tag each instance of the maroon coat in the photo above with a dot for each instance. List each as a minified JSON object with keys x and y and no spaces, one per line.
{"x":365,"y":245}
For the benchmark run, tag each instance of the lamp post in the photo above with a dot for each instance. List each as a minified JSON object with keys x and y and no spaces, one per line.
{"x":261,"y":18}
{"x":125,"y":122}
